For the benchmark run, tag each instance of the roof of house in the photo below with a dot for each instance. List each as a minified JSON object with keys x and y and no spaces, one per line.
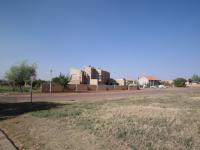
{"x":151,"y":78}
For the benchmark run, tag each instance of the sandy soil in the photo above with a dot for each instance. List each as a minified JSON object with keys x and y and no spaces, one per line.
{"x":46,"y":134}
{"x":64,"y":97}
{"x":153,"y":107}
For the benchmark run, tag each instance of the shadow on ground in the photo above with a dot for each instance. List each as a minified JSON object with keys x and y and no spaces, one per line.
{"x":10,"y":110}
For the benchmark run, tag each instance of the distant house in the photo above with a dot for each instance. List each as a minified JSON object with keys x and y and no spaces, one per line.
{"x":121,"y":82}
{"x":131,"y":82}
{"x":148,"y":81}
{"x":166,"y":82}
{"x":89,"y":75}
{"x":78,"y":76}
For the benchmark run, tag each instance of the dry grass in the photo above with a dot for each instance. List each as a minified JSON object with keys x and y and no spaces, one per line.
{"x":164,"y":121}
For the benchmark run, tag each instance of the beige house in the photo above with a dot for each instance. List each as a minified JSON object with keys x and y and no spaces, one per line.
{"x":77,"y":76}
{"x":131,"y":82}
{"x":121,"y":82}
{"x":148,"y":81}
{"x":103,"y":76}
{"x":89,"y":75}
{"x":91,"y":72}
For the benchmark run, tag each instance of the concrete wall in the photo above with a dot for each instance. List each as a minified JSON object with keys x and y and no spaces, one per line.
{"x":84,"y":88}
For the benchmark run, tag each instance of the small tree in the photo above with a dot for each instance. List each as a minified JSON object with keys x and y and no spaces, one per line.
{"x":180,"y":82}
{"x":20,"y":74}
{"x":62,"y":80}
{"x":196,"y":78}
{"x":111,"y":82}
{"x":38,"y":83}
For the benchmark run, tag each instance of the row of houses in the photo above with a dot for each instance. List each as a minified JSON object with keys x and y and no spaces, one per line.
{"x":96,"y":76}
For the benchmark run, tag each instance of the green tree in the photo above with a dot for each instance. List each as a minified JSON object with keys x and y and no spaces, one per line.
{"x":38,"y":83}
{"x":180,"y":82}
{"x":196,"y":78}
{"x":62,"y":80}
{"x":20,"y":74}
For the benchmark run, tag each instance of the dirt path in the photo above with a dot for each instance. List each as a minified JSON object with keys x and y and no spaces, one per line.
{"x":64,"y":97}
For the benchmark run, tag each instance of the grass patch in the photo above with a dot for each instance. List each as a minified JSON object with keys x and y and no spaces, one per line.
{"x":4,"y":89}
{"x":145,"y":122}
{"x":10,"y":89}
{"x":68,"y":110}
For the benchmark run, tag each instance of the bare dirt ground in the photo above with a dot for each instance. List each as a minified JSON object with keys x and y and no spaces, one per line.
{"x":145,"y":119}
{"x":63,"y":97}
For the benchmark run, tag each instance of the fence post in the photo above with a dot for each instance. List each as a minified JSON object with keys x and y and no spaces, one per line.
{"x":76,"y":88}
{"x":97,"y":88}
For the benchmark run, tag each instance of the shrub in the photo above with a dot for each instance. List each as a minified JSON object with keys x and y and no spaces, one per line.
{"x":38,"y":83}
{"x":196,"y":78}
{"x":62,"y":80}
{"x":180,"y":82}
{"x":21,"y":74}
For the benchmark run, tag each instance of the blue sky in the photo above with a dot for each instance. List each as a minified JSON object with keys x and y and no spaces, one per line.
{"x":126,"y":37}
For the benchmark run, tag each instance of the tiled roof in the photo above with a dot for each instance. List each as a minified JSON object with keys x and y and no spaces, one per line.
{"x":151,"y":78}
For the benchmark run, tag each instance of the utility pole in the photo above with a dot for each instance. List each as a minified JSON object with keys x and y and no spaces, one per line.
{"x":50,"y":80}
{"x":31,"y":90}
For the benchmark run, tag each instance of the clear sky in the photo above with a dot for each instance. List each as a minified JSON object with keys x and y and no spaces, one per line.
{"x":129,"y":38}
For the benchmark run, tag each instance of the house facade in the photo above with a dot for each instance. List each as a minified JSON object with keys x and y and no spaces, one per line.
{"x":78,"y":76}
{"x":121,"y":82}
{"x":148,"y":81}
{"x":89,"y":75}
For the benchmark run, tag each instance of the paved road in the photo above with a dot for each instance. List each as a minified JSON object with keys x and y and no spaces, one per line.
{"x":64,"y":97}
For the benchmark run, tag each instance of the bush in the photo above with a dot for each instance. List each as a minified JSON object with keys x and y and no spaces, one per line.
{"x":196,"y":78}
{"x":37,"y":83}
{"x":180,"y":82}
{"x":21,"y":74}
{"x":62,"y":80}
{"x":4,"y":89}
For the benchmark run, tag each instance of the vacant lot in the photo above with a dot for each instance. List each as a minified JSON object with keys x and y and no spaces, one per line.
{"x":167,"y":120}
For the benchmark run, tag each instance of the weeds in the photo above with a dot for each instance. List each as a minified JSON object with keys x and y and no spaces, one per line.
{"x":150,"y":122}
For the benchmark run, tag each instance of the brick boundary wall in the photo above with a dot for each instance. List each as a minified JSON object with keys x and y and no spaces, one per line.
{"x":92,"y":88}
{"x":55,"y":88}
